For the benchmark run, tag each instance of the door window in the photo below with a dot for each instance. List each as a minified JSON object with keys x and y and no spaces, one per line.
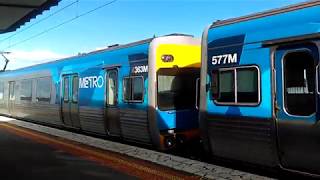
{"x":66,"y":89}
{"x":75,"y":88}
{"x":112,"y":88}
{"x":11,"y":91}
{"x":299,"y":83}
{"x":1,"y":90}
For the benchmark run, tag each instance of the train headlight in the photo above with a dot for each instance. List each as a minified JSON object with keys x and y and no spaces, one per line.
{"x":170,"y":141}
{"x":167,"y":58}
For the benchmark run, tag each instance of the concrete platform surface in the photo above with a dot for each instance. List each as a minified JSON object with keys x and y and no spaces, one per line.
{"x":23,"y":158}
{"x":179,"y":164}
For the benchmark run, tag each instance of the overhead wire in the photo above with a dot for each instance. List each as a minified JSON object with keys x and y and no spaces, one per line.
{"x":61,"y":24}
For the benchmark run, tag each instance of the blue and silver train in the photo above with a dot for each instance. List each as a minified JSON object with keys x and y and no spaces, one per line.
{"x":260,"y":89}
{"x":143,"y":92}
{"x":258,"y":93}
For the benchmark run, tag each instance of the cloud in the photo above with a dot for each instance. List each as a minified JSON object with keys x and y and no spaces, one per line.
{"x":19,"y":58}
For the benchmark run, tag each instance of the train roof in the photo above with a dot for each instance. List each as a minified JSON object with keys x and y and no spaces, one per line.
{"x":116,"y":47}
{"x":271,"y":26}
{"x":108,"y":48}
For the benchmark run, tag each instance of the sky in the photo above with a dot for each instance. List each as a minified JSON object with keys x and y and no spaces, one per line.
{"x":67,"y":29}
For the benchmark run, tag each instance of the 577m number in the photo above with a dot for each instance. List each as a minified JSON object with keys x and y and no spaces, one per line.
{"x":225,"y":59}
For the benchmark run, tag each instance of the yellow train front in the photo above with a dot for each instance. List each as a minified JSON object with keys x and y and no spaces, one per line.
{"x":174,"y":70}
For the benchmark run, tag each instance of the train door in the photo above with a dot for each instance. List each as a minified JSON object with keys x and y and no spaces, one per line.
{"x":112,"y":109}
{"x":296,"y":107}
{"x":70,"y":106}
{"x":11,"y":97}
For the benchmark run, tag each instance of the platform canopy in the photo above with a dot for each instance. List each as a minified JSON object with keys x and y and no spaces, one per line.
{"x":15,"y":13}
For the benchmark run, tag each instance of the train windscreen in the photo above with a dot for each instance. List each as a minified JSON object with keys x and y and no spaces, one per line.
{"x":177,"y":88}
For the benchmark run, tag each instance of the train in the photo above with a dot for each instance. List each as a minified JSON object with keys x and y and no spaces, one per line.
{"x":249,"y":89}
{"x":259,"y":97}
{"x":143,"y":92}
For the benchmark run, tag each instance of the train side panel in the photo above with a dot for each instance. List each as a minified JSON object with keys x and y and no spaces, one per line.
{"x":260,"y":88}
{"x":102,"y":105}
{"x":31,"y":94}
{"x":108,"y":92}
{"x":238,"y":121}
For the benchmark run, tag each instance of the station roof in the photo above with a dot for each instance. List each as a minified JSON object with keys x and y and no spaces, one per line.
{"x":15,"y":13}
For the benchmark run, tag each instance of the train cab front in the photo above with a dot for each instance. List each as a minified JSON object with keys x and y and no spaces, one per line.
{"x":177,"y":72}
{"x":177,"y":112}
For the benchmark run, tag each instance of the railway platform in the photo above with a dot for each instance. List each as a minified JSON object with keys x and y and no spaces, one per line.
{"x":32,"y":151}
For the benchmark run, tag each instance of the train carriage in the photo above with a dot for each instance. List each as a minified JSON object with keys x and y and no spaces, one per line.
{"x":259,"y":97}
{"x":143,"y":91}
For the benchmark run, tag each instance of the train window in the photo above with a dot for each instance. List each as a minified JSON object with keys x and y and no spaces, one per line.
{"x":133,"y":89}
{"x":75,"y":88}
{"x":226,"y":86}
{"x":236,"y":86}
{"x":126,"y":89}
{"x":112,"y":88}
{"x":43,"y":89}
{"x":66,"y":89}
{"x":1,"y":90}
{"x":299,"y":83}
{"x":247,"y":85}
{"x":137,"y":88}
{"x":176,"y":88}
{"x":26,"y":90}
